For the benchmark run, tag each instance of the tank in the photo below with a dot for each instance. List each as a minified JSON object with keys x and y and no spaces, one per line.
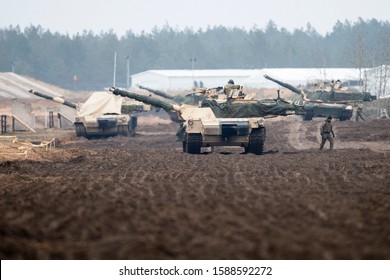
{"x":334,"y":101}
{"x":99,"y":116}
{"x":221,"y":123}
{"x":336,"y":92}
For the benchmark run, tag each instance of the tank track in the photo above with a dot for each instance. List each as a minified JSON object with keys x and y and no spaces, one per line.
{"x":80,"y":130}
{"x":256,"y":141}
{"x":123,"y":130}
{"x":193,"y":143}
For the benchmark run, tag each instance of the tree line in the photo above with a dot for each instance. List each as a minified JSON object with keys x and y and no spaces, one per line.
{"x":56,"y":58}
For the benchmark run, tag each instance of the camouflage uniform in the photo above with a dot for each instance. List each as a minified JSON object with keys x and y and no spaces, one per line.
{"x":229,"y":89}
{"x":359,"y":113}
{"x":326,"y":134}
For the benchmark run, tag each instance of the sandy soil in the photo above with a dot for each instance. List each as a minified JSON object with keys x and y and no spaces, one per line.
{"x":143,"y":198}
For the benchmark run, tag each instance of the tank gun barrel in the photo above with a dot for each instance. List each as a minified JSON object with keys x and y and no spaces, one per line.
{"x":55,"y":99}
{"x":157,"y":92}
{"x":146,"y":99}
{"x":286,"y":85}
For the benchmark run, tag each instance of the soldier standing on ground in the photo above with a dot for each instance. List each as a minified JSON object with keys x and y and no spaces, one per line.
{"x":327,"y":133}
{"x":359,"y":112}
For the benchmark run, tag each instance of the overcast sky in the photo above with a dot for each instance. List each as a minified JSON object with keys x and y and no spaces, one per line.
{"x":72,"y":16}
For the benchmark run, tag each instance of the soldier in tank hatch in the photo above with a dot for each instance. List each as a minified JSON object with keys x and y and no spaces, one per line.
{"x":230,"y":88}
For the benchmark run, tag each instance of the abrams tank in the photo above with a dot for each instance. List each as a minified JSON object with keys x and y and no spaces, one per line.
{"x":322,"y":105}
{"x":226,"y":123}
{"x":336,"y":92}
{"x":192,"y":98}
{"x":99,"y":116}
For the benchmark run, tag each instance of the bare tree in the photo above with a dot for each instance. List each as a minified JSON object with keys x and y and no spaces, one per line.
{"x":361,"y":54}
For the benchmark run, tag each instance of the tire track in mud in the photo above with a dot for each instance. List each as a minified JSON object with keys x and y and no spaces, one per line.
{"x":301,"y":137}
{"x":375,"y":147}
{"x":143,"y":198}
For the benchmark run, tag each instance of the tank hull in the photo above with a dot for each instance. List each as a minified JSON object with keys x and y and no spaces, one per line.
{"x":248,"y":133}
{"x":104,"y":126}
{"x":341,"y":112}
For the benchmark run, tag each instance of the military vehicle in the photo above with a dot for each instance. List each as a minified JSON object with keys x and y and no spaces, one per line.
{"x":324,"y":104}
{"x":323,"y":110}
{"x":335,"y":92}
{"x":222,"y":123}
{"x":99,"y":116}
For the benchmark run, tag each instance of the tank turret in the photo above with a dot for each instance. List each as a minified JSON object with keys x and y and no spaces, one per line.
{"x":55,"y":99}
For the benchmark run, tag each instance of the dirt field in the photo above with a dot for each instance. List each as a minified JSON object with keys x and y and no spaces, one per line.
{"x":142,"y":198}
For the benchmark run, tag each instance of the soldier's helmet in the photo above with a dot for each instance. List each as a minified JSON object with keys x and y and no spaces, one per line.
{"x":329,"y":118}
{"x":231,"y":82}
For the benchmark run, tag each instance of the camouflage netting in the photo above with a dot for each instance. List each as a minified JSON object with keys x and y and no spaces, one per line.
{"x":338,"y":96}
{"x":248,"y":110}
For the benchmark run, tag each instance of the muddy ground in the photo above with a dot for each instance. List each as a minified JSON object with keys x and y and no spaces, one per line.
{"x":143,"y":198}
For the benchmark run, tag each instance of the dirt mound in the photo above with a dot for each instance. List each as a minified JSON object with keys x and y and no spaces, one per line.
{"x":142,"y":198}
